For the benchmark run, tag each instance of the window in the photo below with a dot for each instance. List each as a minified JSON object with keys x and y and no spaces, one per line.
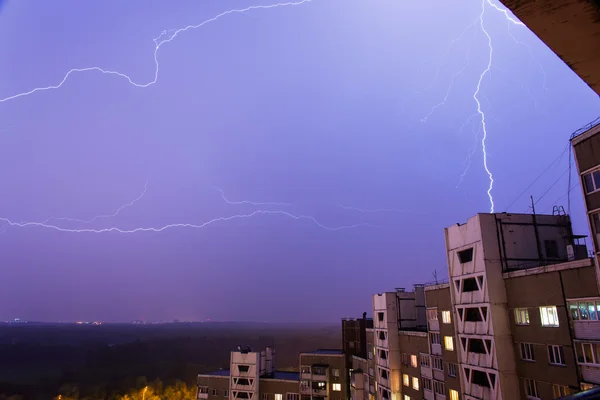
{"x":241,"y":395}
{"x":439,"y":388}
{"x":292,"y":396}
{"x":335,"y":372}
{"x":427,"y":384}
{"x":559,"y":391}
{"x":585,"y":310}
{"x":432,"y":314}
{"x":351,"y":344}
{"x":531,"y":389}
{"x":380,"y":316}
{"x":415,"y":383}
{"x":465,"y":256}
{"x":337,"y":387}
{"x":305,"y":369}
{"x":453,"y":394}
{"x":214,"y":392}
{"x":381,"y":335}
{"x":405,"y":380}
{"x":318,"y":371}
{"x":480,"y":378}
{"x":438,"y":363}
{"x":449,"y":343}
{"x":591,"y":181}
{"x":413,"y":361}
{"x":556,"y":355}
{"x":304,"y":385}
{"x":551,"y":248}
{"x":243,"y":368}
{"x":225,"y":393}
{"x":405,"y":359}
{"x":425,"y":360}
{"x":435,"y":338}
{"x":469,"y":285}
{"x":527,"y":352}
{"x":473,"y":314}
{"x":446,"y":317}
{"x":587,"y":353}
{"x":549,"y":316}
{"x":406,"y":397}
{"x":278,"y":396}
{"x":452,"y":369}
{"x":521,"y":316}
{"x":265,"y":396}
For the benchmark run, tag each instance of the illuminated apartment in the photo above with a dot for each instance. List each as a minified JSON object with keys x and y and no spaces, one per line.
{"x":323,"y":375}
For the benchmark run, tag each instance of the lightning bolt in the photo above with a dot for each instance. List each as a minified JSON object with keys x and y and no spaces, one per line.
{"x":180,"y":225}
{"x":164,"y":38}
{"x":376,"y":210}
{"x":103,"y":216}
{"x":254,"y":203}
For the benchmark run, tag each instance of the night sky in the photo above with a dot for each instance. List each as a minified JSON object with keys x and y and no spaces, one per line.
{"x":322,"y":108}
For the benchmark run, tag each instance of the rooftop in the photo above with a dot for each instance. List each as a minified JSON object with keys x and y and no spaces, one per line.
{"x":281,"y":375}
{"x":325,"y":352}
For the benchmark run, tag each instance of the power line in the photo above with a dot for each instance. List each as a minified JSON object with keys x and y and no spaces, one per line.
{"x":551,"y":186}
{"x":539,"y":176}
{"x":560,"y":198}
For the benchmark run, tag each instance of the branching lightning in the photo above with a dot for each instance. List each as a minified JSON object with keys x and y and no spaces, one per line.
{"x":102,"y":216}
{"x":477,"y":93}
{"x":376,"y":210}
{"x":165,"y":37}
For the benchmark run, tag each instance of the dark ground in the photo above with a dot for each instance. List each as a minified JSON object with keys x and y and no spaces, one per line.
{"x":36,"y":360}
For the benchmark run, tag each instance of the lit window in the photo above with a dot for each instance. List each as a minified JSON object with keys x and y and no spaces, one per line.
{"x":559,"y":391}
{"x":337,"y":387}
{"x":446,"y":317}
{"x":405,"y":380}
{"x":549,"y":316}
{"x":406,"y":397}
{"x":453,"y":394}
{"x":278,"y":396}
{"x":449,"y":343}
{"x":521,"y":316}
{"x":413,"y":360}
{"x":415,"y":383}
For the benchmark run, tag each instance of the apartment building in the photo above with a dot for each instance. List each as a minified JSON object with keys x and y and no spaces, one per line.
{"x":354,"y":340}
{"x":584,"y":313}
{"x":439,"y":365}
{"x":512,"y":279}
{"x":394,"y":312}
{"x":323,"y":375}
{"x":359,"y":379}
{"x":252,"y":376}
{"x":371,"y":364}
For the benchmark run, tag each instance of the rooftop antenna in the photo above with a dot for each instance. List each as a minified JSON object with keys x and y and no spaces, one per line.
{"x":435,"y":276}
{"x":532,"y":205}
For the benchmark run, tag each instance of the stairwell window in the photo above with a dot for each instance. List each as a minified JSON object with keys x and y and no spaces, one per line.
{"x":415,"y":383}
{"x":337,"y":387}
{"x":278,"y":396}
{"x":556,"y":355}
{"x":531,"y":389}
{"x":549,"y":316}
{"x":521,"y":316}
{"x":453,"y":394}
{"x":405,"y":380}
{"x":465,"y":256}
{"x":413,"y":361}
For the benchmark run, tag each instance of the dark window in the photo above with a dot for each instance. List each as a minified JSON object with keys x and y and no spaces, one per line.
{"x":465,"y":256}
{"x":551,"y":248}
{"x":473,"y":314}
{"x":384,"y":373}
{"x":242,"y":395}
{"x":243,"y":381}
{"x":469,"y":285}
{"x":380,"y":316}
{"x":383,"y":355}
{"x":476,"y":346}
{"x":381,"y":335}
{"x":243,"y":368}
{"x":588,"y":183}
{"x":480,"y":378}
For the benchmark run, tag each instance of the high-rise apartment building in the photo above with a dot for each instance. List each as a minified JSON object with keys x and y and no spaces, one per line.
{"x":354,"y":340}
{"x":252,"y":376}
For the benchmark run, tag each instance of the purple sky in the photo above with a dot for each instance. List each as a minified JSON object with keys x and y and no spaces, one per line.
{"x":317,"y":105}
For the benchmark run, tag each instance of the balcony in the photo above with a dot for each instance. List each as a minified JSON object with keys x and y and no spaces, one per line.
{"x":383,"y":362}
{"x":590,"y":373}
{"x":383,"y":382}
{"x":202,"y":395}
{"x":436,"y":349}
{"x":475,"y":328}
{"x":434,"y":325}
{"x":426,"y":372}
{"x":320,"y":392}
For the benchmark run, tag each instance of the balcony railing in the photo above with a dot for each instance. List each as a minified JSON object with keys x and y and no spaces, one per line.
{"x":585,"y":128}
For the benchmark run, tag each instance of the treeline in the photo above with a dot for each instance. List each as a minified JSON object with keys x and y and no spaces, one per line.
{"x":155,"y":390}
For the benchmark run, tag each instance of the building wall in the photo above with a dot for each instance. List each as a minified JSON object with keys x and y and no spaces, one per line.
{"x":385,"y":322}
{"x":334,"y":364}
{"x":530,"y":292}
{"x":216,"y":387}
{"x":438,"y":298}
{"x":270,"y":387}
{"x":359,"y":382}
{"x":371,"y":363}
{"x":412,"y":345}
